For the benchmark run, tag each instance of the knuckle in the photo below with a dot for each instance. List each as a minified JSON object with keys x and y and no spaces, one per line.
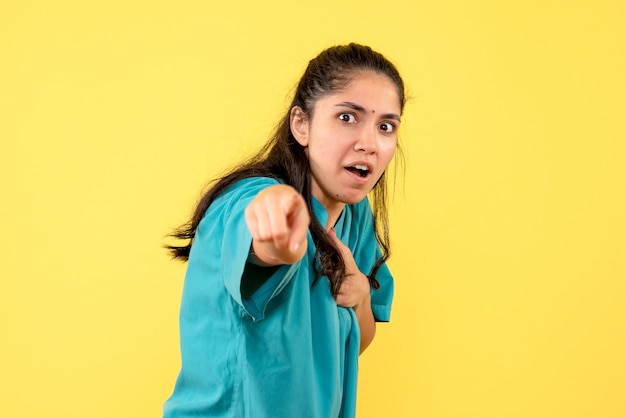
{"x":280,"y":235}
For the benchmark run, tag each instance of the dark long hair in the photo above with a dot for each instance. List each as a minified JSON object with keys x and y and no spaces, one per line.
{"x":282,"y":157}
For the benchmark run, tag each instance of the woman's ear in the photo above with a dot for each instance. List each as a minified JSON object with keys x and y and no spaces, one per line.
{"x":299,"y":124}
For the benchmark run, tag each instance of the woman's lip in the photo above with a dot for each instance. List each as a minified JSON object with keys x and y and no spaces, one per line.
{"x":361,"y":163}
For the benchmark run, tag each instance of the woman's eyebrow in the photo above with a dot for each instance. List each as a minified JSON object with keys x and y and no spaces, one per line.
{"x":352,"y":105}
{"x":361,"y":109}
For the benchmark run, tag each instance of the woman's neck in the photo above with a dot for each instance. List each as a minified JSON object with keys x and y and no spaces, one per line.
{"x":333,"y":215}
{"x":333,"y":207}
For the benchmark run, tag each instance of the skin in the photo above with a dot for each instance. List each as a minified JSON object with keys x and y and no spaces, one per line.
{"x":354,"y":127}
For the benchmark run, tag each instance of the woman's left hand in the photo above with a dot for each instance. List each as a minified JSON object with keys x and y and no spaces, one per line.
{"x":355,"y":288}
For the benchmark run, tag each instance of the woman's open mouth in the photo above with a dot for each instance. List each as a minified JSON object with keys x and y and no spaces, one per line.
{"x":359,"y":169}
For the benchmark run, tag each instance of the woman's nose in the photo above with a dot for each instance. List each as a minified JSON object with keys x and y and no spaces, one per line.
{"x":366,"y":141}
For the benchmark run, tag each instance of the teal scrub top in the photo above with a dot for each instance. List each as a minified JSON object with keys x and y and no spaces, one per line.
{"x":287,"y":350}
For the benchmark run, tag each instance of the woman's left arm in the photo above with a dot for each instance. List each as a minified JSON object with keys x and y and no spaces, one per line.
{"x":355,"y":293}
{"x":367,"y":324}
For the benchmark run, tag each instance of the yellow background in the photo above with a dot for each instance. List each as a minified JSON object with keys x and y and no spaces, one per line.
{"x":509,"y":229}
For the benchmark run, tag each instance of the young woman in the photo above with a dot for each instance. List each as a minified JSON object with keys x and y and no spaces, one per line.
{"x":286,"y":274}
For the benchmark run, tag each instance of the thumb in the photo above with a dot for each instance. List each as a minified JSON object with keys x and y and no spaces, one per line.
{"x":337,"y":242}
{"x":298,"y":221}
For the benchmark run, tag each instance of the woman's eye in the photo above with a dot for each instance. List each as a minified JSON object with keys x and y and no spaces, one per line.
{"x":347,"y":118}
{"x":387,"y":127}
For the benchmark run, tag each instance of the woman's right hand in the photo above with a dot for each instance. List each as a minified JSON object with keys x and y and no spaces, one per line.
{"x":278,"y":220}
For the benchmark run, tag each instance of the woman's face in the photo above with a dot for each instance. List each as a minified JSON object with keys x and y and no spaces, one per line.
{"x":350,"y":138}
